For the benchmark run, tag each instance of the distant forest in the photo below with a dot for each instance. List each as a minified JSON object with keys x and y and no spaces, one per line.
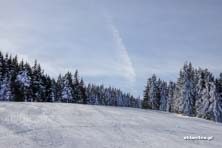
{"x":19,"y":81}
{"x":196,"y":92}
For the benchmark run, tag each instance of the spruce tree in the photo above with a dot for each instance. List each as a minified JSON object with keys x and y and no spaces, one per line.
{"x":171,"y":90}
{"x":67,"y":89}
{"x":83,"y":96}
{"x":76,"y":88}
{"x":205,"y":97}
{"x":163,"y":96}
{"x":218,"y":104}
{"x":36,"y":82}
{"x":145,"y":103}
{"x":187,"y":94}
{"x":59,"y":86}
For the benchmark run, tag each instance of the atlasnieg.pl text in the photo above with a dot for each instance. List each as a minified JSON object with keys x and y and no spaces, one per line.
{"x":199,"y":138}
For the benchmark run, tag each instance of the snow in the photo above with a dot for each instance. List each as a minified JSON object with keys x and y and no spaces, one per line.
{"x":57,"y":125}
{"x":23,"y":78}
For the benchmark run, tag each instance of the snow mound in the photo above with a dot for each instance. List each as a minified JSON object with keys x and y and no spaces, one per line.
{"x":57,"y":125}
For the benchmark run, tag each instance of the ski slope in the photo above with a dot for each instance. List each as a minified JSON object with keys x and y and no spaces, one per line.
{"x":57,"y":125}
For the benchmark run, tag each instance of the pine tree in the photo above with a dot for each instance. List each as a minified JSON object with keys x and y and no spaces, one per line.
{"x":154,"y":93}
{"x":36,"y":83}
{"x":1,"y":66}
{"x":67,"y":89}
{"x":53,"y":91}
{"x":206,"y":95}
{"x":2,"y":74}
{"x":145,"y":103}
{"x":5,"y":88}
{"x":163,"y":96}
{"x":218,"y":102}
{"x":59,"y":85}
{"x":47,"y":83}
{"x":171,"y":90}
{"x":22,"y":83}
{"x":28,"y":83}
{"x":82,"y":92}
{"x":76,"y":88}
{"x":177,"y":93}
{"x":187,"y":94}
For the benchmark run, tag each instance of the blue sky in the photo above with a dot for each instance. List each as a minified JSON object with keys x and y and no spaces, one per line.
{"x":117,"y":42}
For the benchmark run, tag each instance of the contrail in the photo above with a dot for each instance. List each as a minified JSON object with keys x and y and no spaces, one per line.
{"x":126,"y":64}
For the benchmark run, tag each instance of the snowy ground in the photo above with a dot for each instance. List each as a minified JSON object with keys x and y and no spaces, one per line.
{"x":35,"y":125}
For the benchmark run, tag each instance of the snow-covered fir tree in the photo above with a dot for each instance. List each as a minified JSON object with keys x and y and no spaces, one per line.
{"x":146,"y":99}
{"x":53,"y":91}
{"x":218,"y":102}
{"x":82,"y":93}
{"x":152,"y":93}
{"x":171,"y":90}
{"x":206,"y":94}
{"x":36,"y":83}
{"x":187,"y":91}
{"x":22,"y":83}
{"x":177,"y":93}
{"x":67,"y":88}
{"x":163,"y":96}
{"x":5,"y":90}
{"x":6,"y":76}
{"x":58,"y":89}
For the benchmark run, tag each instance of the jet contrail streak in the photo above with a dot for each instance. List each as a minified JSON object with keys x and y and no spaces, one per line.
{"x":126,"y":63}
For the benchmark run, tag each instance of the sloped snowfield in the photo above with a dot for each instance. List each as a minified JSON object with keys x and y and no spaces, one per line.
{"x":37,"y":125}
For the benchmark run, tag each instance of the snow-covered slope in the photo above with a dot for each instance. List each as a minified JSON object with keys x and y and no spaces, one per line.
{"x":35,"y":125}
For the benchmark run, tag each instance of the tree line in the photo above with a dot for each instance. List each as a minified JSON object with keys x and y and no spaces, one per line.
{"x":195,"y":93}
{"x":19,"y":81}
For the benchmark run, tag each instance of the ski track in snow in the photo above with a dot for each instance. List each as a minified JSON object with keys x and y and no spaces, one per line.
{"x":57,"y":125}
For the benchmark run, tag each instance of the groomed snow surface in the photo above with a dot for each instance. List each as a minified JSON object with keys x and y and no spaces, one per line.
{"x":57,"y":125}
